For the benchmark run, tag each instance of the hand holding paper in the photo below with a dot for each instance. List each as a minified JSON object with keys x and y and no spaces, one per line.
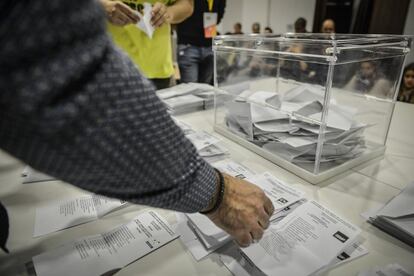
{"x":119,"y":13}
{"x":159,"y":14}
{"x":244,"y":212}
{"x":145,"y":20}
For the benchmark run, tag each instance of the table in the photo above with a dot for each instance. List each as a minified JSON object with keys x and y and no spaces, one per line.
{"x":349,"y":194}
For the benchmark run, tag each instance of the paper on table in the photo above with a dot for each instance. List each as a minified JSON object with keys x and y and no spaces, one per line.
{"x":210,"y":242}
{"x":292,"y":247}
{"x":281,"y":194}
{"x":185,"y":89}
{"x":184,"y":127}
{"x":202,"y":139}
{"x":108,"y":252}
{"x":355,"y":251}
{"x":234,"y":169}
{"x":212,"y":150}
{"x":71,"y":212}
{"x":191,"y":240}
{"x":144,"y":22}
{"x":401,"y":205}
{"x":238,"y":264}
{"x":182,"y":102}
{"x":30,"y":176}
{"x":389,"y":270}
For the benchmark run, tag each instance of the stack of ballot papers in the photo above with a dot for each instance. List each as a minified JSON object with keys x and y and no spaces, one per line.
{"x":240,"y":265}
{"x":389,"y":270}
{"x":30,"y":175}
{"x":308,"y":241}
{"x":107,"y":253}
{"x":207,"y":145}
{"x":287,"y":125}
{"x":397,"y":216}
{"x":59,"y":215}
{"x":187,"y":97}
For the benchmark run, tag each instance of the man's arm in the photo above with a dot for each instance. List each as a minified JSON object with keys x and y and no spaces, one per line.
{"x":75,"y":107}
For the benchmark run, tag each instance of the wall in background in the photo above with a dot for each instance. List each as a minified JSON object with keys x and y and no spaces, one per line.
{"x":280,"y":16}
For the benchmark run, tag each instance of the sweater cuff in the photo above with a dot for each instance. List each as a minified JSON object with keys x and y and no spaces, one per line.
{"x":199,"y":194}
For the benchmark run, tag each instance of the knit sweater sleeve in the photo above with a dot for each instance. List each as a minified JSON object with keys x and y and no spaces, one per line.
{"x":74,"y":106}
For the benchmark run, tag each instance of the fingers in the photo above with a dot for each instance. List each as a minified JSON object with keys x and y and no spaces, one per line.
{"x":120,"y":14}
{"x":257,"y":233}
{"x":244,"y":240}
{"x":159,"y":15}
{"x":128,"y":12}
{"x":268,"y":206}
{"x":263,"y":219}
{"x":120,"y":18}
{"x":244,"y":212}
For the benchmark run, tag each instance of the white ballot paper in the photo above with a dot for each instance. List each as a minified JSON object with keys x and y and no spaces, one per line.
{"x":144,"y":23}
{"x":106,"y":253}
{"x":304,"y":242}
{"x":191,"y":240}
{"x":30,"y":176}
{"x":281,"y":194}
{"x":238,"y":264}
{"x":59,"y":215}
{"x":187,"y":129}
{"x":389,"y":270}
{"x":234,"y":169}
{"x":202,"y":139}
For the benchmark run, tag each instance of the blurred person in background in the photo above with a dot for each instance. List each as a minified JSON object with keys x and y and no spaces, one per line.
{"x":406,"y":93}
{"x":268,"y":30}
{"x":195,"y":53}
{"x":237,"y":28}
{"x":256,"y":28}
{"x":300,"y":25}
{"x":369,"y":80}
{"x":328,"y":26}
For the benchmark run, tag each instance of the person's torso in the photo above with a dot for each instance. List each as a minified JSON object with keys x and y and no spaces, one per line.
{"x":153,"y":56}
{"x":191,"y":30}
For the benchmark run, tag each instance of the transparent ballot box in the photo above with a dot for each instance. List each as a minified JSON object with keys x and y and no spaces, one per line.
{"x":315,"y":104}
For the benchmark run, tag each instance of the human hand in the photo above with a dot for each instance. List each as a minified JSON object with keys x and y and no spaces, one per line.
{"x":160,"y":15}
{"x":244,"y":212}
{"x":119,"y":13}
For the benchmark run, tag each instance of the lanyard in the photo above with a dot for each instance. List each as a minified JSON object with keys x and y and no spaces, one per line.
{"x":210,"y":5}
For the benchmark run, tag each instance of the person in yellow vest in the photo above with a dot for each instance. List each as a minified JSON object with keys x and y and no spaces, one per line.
{"x":152,"y":55}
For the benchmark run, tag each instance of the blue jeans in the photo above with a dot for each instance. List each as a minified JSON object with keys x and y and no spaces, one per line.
{"x":196,"y":63}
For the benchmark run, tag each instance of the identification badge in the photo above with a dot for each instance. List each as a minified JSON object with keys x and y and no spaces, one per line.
{"x":210,"y":24}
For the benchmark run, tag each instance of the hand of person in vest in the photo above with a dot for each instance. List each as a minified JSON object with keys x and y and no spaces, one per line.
{"x":119,"y":13}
